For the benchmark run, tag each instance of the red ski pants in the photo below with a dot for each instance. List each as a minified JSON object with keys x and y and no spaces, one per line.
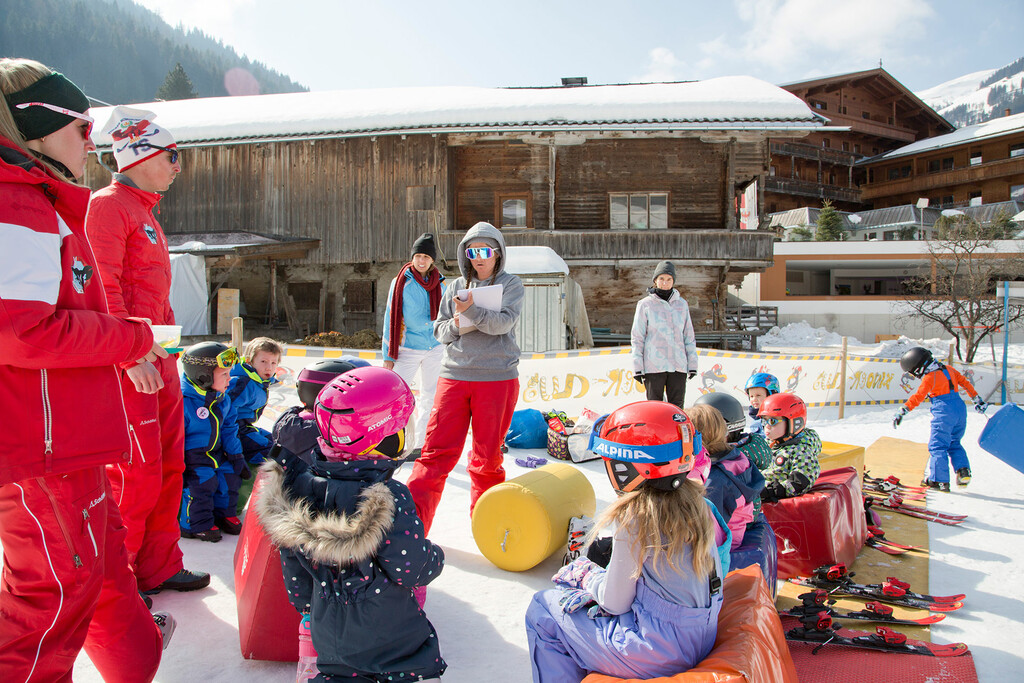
{"x":67,"y":584}
{"x":487,"y":407}
{"x":148,"y":490}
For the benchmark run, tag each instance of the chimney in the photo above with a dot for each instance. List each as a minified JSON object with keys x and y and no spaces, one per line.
{"x":573,"y":81}
{"x":1006,"y":112}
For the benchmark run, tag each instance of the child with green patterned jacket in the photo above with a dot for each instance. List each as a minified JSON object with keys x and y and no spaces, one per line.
{"x":795,"y":448}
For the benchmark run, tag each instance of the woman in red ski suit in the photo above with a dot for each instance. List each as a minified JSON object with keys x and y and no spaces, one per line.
{"x":66,"y":580}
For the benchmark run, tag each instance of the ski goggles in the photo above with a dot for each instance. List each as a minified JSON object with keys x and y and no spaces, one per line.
{"x":60,"y":110}
{"x":479,"y":252}
{"x":172,"y":151}
{"x":772,"y":421}
{"x":225,"y":359}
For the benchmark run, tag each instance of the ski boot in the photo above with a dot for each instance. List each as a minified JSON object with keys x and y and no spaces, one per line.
{"x":963,"y":476}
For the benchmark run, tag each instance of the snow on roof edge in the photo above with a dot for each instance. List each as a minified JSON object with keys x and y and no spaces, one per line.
{"x":1004,"y":125}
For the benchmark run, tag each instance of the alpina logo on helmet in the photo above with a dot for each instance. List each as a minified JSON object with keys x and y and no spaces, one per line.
{"x":621,"y":453}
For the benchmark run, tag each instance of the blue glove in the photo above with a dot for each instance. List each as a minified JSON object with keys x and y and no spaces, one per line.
{"x":980,"y":405}
{"x":899,"y":417}
{"x":576,"y":599}
{"x":575,"y":573}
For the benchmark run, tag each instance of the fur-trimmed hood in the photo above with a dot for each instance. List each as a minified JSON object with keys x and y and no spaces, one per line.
{"x":327,"y":537}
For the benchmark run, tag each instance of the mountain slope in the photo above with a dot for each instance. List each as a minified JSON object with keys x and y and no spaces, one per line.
{"x":120,"y":52}
{"x":980,"y":96}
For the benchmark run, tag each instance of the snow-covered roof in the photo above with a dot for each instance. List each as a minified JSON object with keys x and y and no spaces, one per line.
{"x":981,"y":131}
{"x":728,"y":103}
{"x":534,"y":261}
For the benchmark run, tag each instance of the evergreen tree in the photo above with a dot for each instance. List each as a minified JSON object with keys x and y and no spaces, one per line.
{"x":830,"y":224}
{"x":177,"y":86}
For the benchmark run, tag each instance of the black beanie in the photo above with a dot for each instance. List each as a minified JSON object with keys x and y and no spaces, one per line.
{"x":664,"y":268}
{"x":424,"y":244}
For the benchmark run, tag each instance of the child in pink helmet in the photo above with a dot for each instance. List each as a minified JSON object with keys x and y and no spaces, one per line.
{"x":353,"y":550}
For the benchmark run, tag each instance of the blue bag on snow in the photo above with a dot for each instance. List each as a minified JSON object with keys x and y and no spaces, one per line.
{"x":528,"y":429}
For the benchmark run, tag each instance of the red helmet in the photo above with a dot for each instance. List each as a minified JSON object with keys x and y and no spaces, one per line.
{"x":789,"y":406}
{"x":362,"y":407}
{"x":648,"y":442}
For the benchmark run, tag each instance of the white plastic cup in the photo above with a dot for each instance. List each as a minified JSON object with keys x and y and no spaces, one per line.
{"x":167,"y":336}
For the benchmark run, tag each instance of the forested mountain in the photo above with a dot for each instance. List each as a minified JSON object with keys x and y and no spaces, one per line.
{"x":980,"y":96}
{"x":120,"y":52}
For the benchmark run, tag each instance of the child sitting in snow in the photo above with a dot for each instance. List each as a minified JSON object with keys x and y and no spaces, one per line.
{"x":940,"y":385}
{"x":795,"y":448}
{"x":249,"y":390}
{"x":759,"y":386}
{"x":353,"y":551}
{"x":734,"y":483}
{"x":654,"y":610}
{"x":295,"y":431}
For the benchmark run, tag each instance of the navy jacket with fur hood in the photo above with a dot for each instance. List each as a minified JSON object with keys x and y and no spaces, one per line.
{"x":352,"y":550}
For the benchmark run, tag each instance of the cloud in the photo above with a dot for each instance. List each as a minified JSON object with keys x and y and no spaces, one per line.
{"x":662,"y":65}
{"x":783,"y":37}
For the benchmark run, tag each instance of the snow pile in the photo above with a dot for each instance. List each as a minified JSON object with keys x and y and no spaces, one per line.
{"x":895,"y":348}
{"x":802,"y":334}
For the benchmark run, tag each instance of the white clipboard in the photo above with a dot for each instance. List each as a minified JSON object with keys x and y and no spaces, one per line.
{"x":487,"y":298}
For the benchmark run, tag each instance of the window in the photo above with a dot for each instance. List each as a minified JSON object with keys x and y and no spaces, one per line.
{"x":771,"y":171}
{"x":1017,"y":150}
{"x":905,"y":171}
{"x":975,"y":158}
{"x":947,"y":201}
{"x":638,"y":211}
{"x":826,"y":143}
{"x":947,"y":164}
{"x":842,"y":110}
{"x":874,"y":151}
{"x":894,"y":174}
{"x":514,"y":210}
{"x":818,"y":104}
{"x":856,"y":149}
{"x":975,"y":199}
{"x":1017,"y":192}
{"x":872,"y":236}
{"x":933,"y":166}
{"x":865,"y":115}
{"x":360,"y":296}
{"x":846,"y":146}
{"x":889,"y":235}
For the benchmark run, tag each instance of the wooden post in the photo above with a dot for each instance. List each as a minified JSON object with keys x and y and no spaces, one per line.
{"x":322,"y":310}
{"x":551,"y":187}
{"x":273,"y":292}
{"x":842,"y":381}
{"x":730,"y":186}
{"x":952,"y":352}
{"x":236,"y":333}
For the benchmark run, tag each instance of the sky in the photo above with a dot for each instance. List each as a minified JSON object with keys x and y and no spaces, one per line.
{"x":344,"y":44}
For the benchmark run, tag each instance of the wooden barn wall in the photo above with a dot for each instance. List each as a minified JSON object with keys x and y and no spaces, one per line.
{"x":694,"y":173}
{"x":350,"y":194}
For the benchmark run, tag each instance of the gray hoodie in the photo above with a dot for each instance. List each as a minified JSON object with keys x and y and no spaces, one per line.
{"x":488,"y":353}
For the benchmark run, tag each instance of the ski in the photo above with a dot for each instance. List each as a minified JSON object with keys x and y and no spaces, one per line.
{"x":895,"y":504}
{"x":883,"y":493}
{"x":877,"y":544}
{"x":839,"y":573}
{"x":818,"y":601}
{"x":838,"y":581}
{"x":878,"y":534}
{"x":891,"y":483}
{"x":818,"y":628}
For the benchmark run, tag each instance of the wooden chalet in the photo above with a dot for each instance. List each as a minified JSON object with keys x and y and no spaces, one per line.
{"x":880,"y":113}
{"x":613,"y":178}
{"x":976,"y":165}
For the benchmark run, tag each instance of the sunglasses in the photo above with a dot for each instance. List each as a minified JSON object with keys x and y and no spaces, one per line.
{"x":479,"y":252}
{"x":772,"y":421}
{"x":172,"y":151}
{"x":60,"y":110}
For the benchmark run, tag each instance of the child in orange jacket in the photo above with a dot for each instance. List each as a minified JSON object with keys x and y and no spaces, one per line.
{"x":941,"y":385}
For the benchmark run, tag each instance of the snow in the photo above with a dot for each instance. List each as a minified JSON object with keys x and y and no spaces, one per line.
{"x":729,"y":102}
{"x":478,"y":609}
{"x":950,"y":93}
{"x":981,"y":131}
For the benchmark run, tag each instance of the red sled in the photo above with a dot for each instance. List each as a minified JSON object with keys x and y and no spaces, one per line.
{"x":268,"y":625}
{"x":824,"y":526}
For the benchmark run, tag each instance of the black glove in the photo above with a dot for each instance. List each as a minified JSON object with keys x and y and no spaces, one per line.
{"x":638,"y":377}
{"x":242,"y":470}
{"x":691,"y":374}
{"x":899,"y":417}
{"x":773,"y":492}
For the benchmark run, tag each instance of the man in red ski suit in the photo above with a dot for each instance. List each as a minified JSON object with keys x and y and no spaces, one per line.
{"x":66,"y":580}
{"x":136,"y":271}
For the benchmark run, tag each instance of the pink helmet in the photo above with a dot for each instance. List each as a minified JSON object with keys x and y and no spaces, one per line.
{"x":361,"y":407}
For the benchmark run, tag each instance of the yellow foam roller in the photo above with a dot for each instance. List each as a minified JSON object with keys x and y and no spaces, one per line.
{"x":521,"y":522}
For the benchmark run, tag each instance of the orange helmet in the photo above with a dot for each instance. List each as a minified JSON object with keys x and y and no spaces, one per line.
{"x":648,"y":442}
{"x":788,"y":406}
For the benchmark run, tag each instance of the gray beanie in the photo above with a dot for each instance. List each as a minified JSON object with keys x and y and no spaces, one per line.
{"x":664,"y":268}
{"x":489,"y":241}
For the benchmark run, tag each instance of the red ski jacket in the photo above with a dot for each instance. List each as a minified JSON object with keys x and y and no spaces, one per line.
{"x":59,"y":387}
{"x":132,"y":252}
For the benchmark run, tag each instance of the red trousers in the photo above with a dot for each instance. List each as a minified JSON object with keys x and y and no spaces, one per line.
{"x":148,"y":491}
{"x":487,"y":407}
{"x":67,"y":584}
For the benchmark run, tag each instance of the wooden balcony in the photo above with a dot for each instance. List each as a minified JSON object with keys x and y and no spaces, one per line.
{"x":932,"y":181}
{"x":742,"y":248}
{"x":822,"y":154}
{"x":870,"y":127}
{"x":805,"y":188}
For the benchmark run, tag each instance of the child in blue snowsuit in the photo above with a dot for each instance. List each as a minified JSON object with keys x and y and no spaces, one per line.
{"x":214,"y":466}
{"x":296,"y":431}
{"x":759,"y":387}
{"x":654,"y":610}
{"x":249,"y":390}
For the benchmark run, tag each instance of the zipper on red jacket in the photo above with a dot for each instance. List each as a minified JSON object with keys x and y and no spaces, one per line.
{"x":60,"y":521}
{"x":47,"y":421}
{"x":135,"y":438}
{"x":88,"y":527}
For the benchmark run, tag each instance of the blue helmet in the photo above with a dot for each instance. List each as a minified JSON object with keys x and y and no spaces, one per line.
{"x":769,"y":383}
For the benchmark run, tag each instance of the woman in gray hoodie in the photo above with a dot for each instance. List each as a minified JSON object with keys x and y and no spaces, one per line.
{"x":479,"y":380}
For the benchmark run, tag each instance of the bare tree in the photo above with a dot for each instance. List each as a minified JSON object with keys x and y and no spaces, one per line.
{"x":959,"y":291}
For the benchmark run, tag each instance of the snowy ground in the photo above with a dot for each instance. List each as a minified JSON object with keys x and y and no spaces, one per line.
{"x":478,"y":609}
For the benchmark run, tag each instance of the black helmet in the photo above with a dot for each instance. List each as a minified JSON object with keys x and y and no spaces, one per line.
{"x":730,"y":408}
{"x":916,"y":360}
{"x":314,"y":377}
{"x":200,"y":360}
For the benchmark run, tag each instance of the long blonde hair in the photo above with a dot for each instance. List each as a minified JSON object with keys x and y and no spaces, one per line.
{"x":664,"y":523}
{"x":711,"y":425}
{"x":15,"y":75}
